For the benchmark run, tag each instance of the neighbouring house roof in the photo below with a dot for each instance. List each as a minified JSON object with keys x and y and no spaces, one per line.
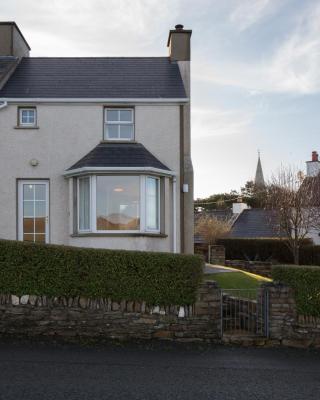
{"x":119,"y":155}
{"x":104,"y":77}
{"x":255,"y":223}
{"x":223,"y":215}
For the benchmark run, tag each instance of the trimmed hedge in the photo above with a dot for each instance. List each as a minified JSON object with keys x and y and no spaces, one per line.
{"x":305,"y":280}
{"x":269,"y":250}
{"x":54,"y":270}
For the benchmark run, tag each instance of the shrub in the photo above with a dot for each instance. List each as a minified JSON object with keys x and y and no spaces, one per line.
{"x":305,"y":280}
{"x":53,"y":270}
{"x":268,"y":250}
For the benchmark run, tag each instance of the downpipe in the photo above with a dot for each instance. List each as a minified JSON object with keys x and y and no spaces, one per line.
{"x":174,"y":222}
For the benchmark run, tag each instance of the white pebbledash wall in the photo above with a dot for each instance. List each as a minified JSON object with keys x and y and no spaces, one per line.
{"x":66,"y":133}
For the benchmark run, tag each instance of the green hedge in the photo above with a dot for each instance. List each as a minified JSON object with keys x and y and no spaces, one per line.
{"x":305,"y":280}
{"x":268,"y":250}
{"x":52,"y":270}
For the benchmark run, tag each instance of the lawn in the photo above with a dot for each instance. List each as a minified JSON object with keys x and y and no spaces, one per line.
{"x":237,"y":280}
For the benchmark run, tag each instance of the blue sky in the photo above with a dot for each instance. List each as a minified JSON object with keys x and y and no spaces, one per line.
{"x":255,"y":70}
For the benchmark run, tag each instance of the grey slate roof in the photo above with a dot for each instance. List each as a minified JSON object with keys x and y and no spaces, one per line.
{"x":255,"y":223}
{"x":81,"y":77}
{"x":6,"y":64}
{"x":222,"y":215}
{"x":119,"y":155}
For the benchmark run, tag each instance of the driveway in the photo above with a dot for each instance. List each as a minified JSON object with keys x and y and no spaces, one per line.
{"x":34,"y":371}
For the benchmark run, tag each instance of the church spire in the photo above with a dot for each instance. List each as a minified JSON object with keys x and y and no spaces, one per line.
{"x":259,"y":179}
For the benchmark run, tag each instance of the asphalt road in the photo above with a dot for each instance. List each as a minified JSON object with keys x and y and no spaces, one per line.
{"x":34,"y":371}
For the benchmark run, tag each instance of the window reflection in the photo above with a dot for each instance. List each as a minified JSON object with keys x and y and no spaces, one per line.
{"x":118,"y":203}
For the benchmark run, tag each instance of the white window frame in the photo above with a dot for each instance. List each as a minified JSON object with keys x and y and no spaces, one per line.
{"x":142,"y":207}
{"x":78,"y":204}
{"x":27,"y":124}
{"x":22,"y":182}
{"x":106,"y":123}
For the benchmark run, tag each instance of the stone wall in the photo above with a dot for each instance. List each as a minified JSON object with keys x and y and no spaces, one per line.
{"x":217,"y":254}
{"x":285,"y":325}
{"x":255,"y":267}
{"x":75,"y":317}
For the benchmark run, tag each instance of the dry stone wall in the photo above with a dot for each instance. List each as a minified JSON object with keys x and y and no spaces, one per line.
{"x":73,"y":317}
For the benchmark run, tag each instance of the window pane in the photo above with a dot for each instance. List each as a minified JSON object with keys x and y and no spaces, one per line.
{"x":28,"y":192}
{"x":152,"y":203}
{"x":40,"y":192}
{"x":126,"y":115}
{"x":40,"y":225}
{"x":84,"y":204}
{"x":112,"y":115}
{"x":126,"y":131}
{"x":40,"y":208}
{"x":28,"y":117}
{"x":40,"y":238}
{"x":28,"y":209}
{"x":118,"y":203}
{"x":28,"y":237}
{"x":28,"y":225}
{"x":113,"y":131}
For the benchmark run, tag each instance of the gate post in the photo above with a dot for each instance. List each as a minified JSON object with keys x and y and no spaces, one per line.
{"x":208,"y":305}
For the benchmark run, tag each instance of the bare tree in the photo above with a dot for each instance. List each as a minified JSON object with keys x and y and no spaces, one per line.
{"x":294,"y":201}
{"x":211,"y":228}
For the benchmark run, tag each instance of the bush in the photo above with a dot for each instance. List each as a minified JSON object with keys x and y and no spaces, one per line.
{"x":268,"y":250}
{"x":53,"y":270}
{"x":305,"y":280}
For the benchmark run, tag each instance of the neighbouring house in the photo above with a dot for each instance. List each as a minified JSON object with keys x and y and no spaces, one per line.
{"x":96,"y":151}
{"x":260,"y":223}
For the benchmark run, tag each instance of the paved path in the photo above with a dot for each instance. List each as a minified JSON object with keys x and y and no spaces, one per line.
{"x":216,"y":269}
{"x":47,"y":372}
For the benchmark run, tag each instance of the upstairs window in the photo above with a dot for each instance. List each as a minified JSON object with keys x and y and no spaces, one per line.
{"x":118,"y":124}
{"x":27,"y":116}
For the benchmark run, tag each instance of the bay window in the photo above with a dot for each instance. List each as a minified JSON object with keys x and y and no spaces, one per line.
{"x":117,"y":204}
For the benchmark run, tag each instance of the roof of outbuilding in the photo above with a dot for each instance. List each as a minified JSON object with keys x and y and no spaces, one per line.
{"x":130,"y":155}
{"x":95,"y":77}
{"x":255,"y":223}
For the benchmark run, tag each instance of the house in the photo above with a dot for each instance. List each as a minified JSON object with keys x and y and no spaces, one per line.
{"x":96,"y":151}
{"x":260,"y":223}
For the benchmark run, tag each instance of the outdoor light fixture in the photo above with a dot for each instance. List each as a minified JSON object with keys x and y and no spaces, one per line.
{"x":118,"y":189}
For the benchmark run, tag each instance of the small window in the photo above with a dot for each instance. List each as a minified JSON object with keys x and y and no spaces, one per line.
{"x":27,"y":117}
{"x":118,"y":124}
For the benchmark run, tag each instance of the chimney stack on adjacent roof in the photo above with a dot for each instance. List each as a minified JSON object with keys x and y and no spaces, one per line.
{"x":12,"y":42}
{"x":179,"y":43}
{"x":313,"y":166}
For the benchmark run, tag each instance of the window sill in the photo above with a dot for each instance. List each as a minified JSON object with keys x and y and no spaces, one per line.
{"x":26,"y":127}
{"x":89,"y":234}
{"x":118,"y":141}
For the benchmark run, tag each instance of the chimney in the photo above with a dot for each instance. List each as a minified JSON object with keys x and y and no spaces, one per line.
{"x":315,"y":156}
{"x":12,"y":42}
{"x":179,"y":43}
{"x":313,"y":166}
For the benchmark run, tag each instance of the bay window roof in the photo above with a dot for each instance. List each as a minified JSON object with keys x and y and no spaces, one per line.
{"x":120,"y":157}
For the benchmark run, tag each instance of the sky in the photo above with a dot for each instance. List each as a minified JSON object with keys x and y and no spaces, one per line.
{"x":255,"y":70}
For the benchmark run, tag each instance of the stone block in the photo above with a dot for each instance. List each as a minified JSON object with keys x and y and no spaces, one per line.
{"x":15,"y":300}
{"x":24,"y":299}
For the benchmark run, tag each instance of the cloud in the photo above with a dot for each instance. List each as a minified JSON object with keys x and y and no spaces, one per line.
{"x":249,"y":12}
{"x":293,"y":67}
{"x":218,"y":122}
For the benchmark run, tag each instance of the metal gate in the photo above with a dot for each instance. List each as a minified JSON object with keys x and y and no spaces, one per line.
{"x":245,"y":312}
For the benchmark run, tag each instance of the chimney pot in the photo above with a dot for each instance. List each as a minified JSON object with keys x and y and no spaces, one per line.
{"x":179,"y":27}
